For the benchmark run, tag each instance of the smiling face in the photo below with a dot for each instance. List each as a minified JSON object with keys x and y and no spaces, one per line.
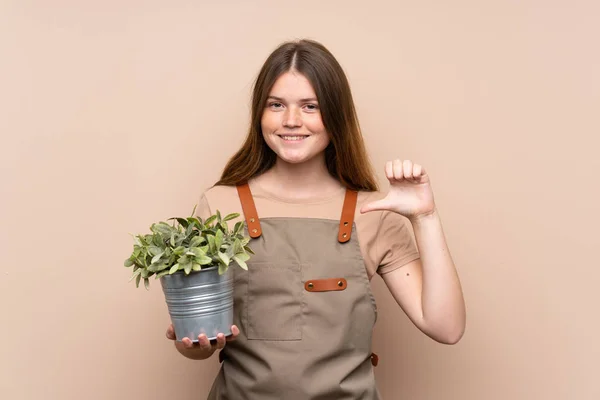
{"x":291,"y":121}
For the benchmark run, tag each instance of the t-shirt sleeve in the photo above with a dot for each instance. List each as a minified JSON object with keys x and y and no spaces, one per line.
{"x":395,"y":244}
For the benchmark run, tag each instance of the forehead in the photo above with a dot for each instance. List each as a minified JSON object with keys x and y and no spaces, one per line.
{"x":292,"y":85}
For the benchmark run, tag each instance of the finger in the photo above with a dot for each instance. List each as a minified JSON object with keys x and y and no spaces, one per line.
{"x":374,"y":206}
{"x":220,"y":341}
{"x":407,"y":168}
{"x":398,"y":174}
{"x":389,"y":170}
{"x":234,"y":333}
{"x":204,"y":342}
{"x":170,"y":332}
{"x":187,"y":342}
{"x":417,"y":171}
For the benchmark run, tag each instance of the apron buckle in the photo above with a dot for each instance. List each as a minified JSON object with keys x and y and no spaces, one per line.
{"x":374,"y":359}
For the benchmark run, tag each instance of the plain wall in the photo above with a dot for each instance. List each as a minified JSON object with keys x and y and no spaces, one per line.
{"x":115,"y":114}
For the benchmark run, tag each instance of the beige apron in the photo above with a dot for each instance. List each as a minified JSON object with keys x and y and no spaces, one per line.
{"x":305,"y":312}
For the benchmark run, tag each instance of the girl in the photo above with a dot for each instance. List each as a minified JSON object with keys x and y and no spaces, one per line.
{"x":320,"y":228}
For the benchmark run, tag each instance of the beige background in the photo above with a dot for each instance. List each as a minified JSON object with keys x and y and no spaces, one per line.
{"x":118,"y":113}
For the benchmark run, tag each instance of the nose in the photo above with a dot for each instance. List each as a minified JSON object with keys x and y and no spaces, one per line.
{"x":292,"y":118}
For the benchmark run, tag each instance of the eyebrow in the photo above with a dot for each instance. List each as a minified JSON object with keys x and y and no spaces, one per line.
{"x":301,"y":100}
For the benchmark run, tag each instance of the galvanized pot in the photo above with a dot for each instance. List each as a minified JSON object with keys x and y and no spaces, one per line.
{"x":201,"y":302}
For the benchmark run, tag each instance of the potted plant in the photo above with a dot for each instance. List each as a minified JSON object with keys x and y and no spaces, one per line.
{"x":191,"y":257}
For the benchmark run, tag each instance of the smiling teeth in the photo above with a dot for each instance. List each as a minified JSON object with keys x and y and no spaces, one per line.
{"x":293,"y":137}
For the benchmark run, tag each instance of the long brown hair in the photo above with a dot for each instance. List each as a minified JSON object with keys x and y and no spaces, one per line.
{"x":345,"y":156}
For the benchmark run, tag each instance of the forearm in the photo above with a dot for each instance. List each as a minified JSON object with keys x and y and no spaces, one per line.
{"x":443,"y":308}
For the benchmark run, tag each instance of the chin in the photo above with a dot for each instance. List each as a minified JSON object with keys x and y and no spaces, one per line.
{"x":294,"y":159}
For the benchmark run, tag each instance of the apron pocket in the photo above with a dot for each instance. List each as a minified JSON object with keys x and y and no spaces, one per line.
{"x":274,"y":301}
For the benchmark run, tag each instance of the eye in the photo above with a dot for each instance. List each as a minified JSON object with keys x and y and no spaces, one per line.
{"x":275,"y":105}
{"x":312,"y":107}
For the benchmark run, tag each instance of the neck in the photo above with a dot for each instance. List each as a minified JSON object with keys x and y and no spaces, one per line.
{"x":299,"y":181}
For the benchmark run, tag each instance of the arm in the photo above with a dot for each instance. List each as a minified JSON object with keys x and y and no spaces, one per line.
{"x":428,"y":289}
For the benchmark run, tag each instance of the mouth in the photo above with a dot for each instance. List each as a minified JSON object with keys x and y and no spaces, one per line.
{"x":293,"y":138}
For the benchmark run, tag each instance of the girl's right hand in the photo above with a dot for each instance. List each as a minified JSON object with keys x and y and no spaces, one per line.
{"x":203,"y":349}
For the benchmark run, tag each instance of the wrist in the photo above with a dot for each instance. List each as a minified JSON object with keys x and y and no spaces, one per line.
{"x":425,"y":217}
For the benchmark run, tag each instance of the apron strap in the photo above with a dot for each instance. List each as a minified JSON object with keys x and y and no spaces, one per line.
{"x":253,"y":222}
{"x":347,"y":219}
{"x":249,"y":210}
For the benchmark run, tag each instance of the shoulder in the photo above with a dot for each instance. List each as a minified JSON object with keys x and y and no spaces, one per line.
{"x":220,"y":198}
{"x":219,"y":193}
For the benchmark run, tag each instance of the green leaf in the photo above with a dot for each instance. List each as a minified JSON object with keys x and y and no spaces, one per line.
{"x":179,"y":250}
{"x":229,"y":217}
{"x":203,"y":260}
{"x":157,"y":257}
{"x":129,"y":262}
{"x":219,"y":216}
{"x":173,"y":269}
{"x":249,"y":250}
{"x":182,"y":221}
{"x":211,"y":243}
{"x":147,"y":283}
{"x":137,"y":281}
{"x":210,"y":220}
{"x":218,"y":240}
{"x":162,"y":228}
{"x":189,"y":230}
{"x":187,"y":268}
{"x":196,"y":267}
{"x":238,"y":227}
{"x":222,"y":269}
{"x":223,"y":257}
{"x":172,"y":239}
{"x":230,"y":250}
{"x":197,"y":241}
{"x":157,"y":240}
{"x":163,"y":273}
{"x":195,"y":221}
{"x":197,"y":252}
{"x":243,"y":256}
{"x":135,"y":274}
{"x":148,"y":239}
{"x":161,"y":267}
{"x":137,"y":241}
{"x":240,"y":262}
{"x":237,"y":246}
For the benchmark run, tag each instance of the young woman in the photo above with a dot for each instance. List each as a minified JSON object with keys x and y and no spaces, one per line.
{"x":321,"y":229}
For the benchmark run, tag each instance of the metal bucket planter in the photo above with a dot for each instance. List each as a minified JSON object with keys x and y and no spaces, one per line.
{"x":201,"y":302}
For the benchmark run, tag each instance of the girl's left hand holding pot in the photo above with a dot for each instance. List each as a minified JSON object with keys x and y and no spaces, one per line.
{"x":203,"y":349}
